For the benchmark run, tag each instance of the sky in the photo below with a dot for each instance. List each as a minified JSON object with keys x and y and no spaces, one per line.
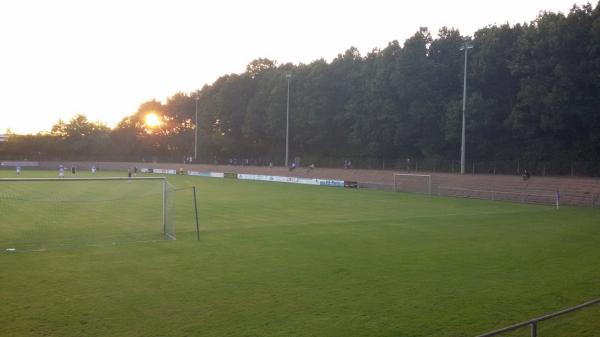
{"x":103,"y":58}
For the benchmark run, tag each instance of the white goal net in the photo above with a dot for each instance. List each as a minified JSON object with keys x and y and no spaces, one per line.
{"x":417,"y":183}
{"x":47,"y":213}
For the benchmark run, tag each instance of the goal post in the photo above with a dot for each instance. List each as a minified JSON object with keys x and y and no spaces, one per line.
{"x":409,"y":182}
{"x":38,"y":213}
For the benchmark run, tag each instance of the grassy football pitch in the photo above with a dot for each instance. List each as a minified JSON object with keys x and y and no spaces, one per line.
{"x":288,"y":260}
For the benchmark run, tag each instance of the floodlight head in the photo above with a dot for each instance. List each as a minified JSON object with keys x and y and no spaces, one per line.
{"x":197,"y":98}
{"x":288,"y":76}
{"x":466,"y":44}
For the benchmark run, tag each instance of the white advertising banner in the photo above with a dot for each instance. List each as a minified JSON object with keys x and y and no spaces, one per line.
{"x":20,"y":163}
{"x":291,"y":180}
{"x":165,"y":171}
{"x":308,"y":181}
{"x":331,"y":182}
{"x":244,"y":176}
{"x":198,"y":174}
{"x":206,"y":174}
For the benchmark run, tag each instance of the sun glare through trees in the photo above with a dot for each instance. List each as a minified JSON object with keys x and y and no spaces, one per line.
{"x":152,"y":120}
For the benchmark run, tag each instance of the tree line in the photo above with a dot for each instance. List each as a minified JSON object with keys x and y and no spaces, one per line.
{"x":533,"y":94}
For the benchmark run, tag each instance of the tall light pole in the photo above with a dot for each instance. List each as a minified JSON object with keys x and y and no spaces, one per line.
{"x":467,"y":45}
{"x":287,"y":120}
{"x":197,"y":98}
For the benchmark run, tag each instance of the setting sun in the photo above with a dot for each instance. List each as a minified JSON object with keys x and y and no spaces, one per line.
{"x":152,"y":120}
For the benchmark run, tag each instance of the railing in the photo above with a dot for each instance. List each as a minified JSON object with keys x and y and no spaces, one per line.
{"x":472,"y":166}
{"x":427,"y":165}
{"x":526,"y":196}
{"x":533,"y":323}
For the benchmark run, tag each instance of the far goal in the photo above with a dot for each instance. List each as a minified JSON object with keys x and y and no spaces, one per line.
{"x":40,"y":213}
{"x":416,"y":183}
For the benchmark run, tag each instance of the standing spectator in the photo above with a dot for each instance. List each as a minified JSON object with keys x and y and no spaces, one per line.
{"x":526,"y":174}
{"x":18,"y":170}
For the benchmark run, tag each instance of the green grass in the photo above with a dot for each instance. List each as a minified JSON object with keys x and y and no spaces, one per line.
{"x":287,"y":260}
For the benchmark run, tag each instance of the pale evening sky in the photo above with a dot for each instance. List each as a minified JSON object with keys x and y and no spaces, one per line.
{"x":103,"y":58}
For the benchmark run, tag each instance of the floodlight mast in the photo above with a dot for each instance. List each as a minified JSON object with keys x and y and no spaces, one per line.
{"x":467,"y":45}
{"x":287,"y":120}
{"x":196,"y":131}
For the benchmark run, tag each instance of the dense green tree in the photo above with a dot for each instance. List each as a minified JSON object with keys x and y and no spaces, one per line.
{"x":534,"y":95}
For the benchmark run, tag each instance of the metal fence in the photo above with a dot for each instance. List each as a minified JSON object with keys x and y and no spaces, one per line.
{"x":505,"y":167}
{"x":524,"y":196}
{"x":511,"y":167}
{"x":533,"y":323}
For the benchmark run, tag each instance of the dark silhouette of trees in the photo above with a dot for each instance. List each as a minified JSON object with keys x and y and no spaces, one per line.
{"x":534,"y":94}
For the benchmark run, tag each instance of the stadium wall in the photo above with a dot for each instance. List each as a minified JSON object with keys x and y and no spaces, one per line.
{"x":573,"y":191}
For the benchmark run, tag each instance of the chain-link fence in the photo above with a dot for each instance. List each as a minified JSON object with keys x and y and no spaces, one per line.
{"x":510,"y":167}
{"x":505,"y":167}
